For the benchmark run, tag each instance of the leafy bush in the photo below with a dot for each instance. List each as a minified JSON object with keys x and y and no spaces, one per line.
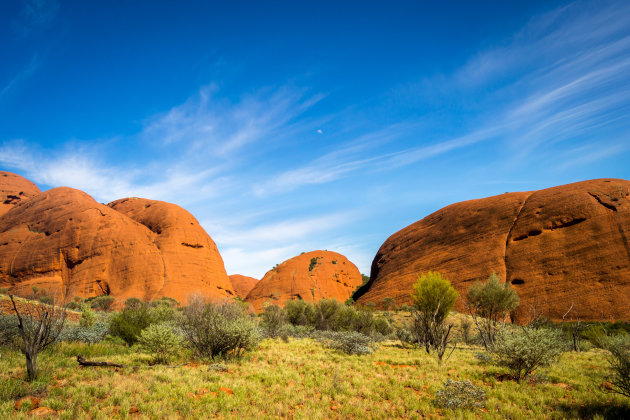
{"x":218,"y":329}
{"x":273,"y":319}
{"x":8,"y":329}
{"x":350,"y":342}
{"x":524,"y":349}
{"x":383,"y":327}
{"x":460,"y":394}
{"x":101,"y":303}
{"x":129,"y":323}
{"x":88,"y":317}
{"x":90,"y":335}
{"x":489,"y":303}
{"x":161,"y":340}
{"x":405,"y":336}
{"x":619,"y":359}
{"x":299,"y":312}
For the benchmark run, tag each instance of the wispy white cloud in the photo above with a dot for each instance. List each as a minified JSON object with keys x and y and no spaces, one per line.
{"x":222,"y":127}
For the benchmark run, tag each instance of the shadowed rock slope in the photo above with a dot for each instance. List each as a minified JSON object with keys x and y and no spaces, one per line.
{"x":14,"y":189}
{"x":558,"y":247}
{"x":242,"y":285}
{"x":310,"y":276}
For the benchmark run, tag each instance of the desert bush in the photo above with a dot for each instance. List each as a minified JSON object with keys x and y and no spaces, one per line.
{"x":525,"y":349}
{"x":383,"y":327}
{"x":350,"y":342}
{"x":8,"y":329}
{"x":388,"y":303}
{"x":273,"y":318}
{"x":161,"y":340}
{"x":218,"y":329}
{"x":405,"y":336}
{"x":218,"y":367}
{"x":299,"y":312}
{"x":88,"y":317}
{"x":129,"y":323}
{"x":489,"y":304}
{"x":483,"y":357}
{"x":101,"y":303}
{"x":82,"y":334}
{"x":433,"y":298}
{"x":464,"y":330}
{"x":619,"y":359}
{"x":460,"y":394}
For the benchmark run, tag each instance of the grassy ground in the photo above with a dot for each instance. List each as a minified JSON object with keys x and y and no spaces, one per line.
{"x":300,"y":379}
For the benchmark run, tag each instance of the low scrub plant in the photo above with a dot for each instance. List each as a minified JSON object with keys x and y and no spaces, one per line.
{"x":525,"y":349}
{"x":619,"y":358}
{"x":8,"y":329}
{"x":218,"y":329}
{"x":73,"y":332}
{"x":129,"y":323}
{"x":161,"y":340}
{"x":350,"y":342}
{"x":273,"y":319}
{"x":460,"y":394}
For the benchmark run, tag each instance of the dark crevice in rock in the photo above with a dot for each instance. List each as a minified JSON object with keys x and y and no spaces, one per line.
{"x":192,"y":245}
{"x":508,"y":237}
{"x":599,"y":200}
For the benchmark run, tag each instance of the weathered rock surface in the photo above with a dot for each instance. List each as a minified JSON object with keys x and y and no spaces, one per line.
{"x":242,"y":285}
{"x":63,"y":240}
{"x":191,"y":260}
{"x":558,"y":247}
{"x":310,"y":276}
{"x":14,"y":189}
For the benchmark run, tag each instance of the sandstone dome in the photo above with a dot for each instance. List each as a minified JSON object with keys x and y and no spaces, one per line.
{"x":561,"y":246}
{"x":14,"y":189}
{"x":310,"y":276}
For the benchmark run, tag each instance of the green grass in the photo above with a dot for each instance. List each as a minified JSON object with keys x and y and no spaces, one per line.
{"x":300,"y":379}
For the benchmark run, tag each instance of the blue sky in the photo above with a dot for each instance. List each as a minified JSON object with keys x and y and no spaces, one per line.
{"x":293,"y":126}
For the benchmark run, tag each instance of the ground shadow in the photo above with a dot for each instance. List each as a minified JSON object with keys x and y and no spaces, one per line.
{"x":589,"y":410}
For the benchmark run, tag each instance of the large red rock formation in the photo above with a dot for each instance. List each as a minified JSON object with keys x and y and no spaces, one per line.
{"x":558,"y":247}
{"x":242,"y":285}
{"x":63,"y":240}
{"x":191,"y":260}
{"x":310,"y":276}
{"x":14,"y":189}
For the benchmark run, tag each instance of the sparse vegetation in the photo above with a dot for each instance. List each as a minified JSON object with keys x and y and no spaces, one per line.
{"x":619,"y":348}
{"x":460,"y":394}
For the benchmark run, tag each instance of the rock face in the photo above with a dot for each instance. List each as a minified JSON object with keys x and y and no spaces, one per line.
{"x":558,"y":247}
{"x":191,"y":260}
{"x":310,"y":276}
{"x":14,"y":189}
{"x":242,"y":285}
{"x":63,"y":240}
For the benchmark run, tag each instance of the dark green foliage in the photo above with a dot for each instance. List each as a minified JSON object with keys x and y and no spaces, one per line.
{"x":299,"y":312}
{"x":8,"y":329}
{"x":218,"y":329}
{"x":273,"y":318}
{"x":161,"y":340}
{"x":129,"y":323}
{"x":312,"y":264}
{"x":101,"y":303}
{"x":525,"y":349}
{"x":460,"y":394}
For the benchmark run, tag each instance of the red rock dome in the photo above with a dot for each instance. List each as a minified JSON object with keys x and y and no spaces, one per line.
{"x":242,"y":285}
{"x":14,"y":189}
{"x":310,"y":276}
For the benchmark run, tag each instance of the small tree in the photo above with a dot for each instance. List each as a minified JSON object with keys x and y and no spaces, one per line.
{"x":525,"y":349}
{"x":273,"y":319}
{"x":490,"y":303}
{"x":619,"y":359}
{"x":39,"y":326}
{"x":433,"y":299}
{"x":129,"y":323}
{"x":389,"y":303}
{"x":88,"y":317}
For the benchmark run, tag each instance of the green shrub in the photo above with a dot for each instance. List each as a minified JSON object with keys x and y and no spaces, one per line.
{"x":350,"y":342}
{"x":101,"y":303}
{"x":460,"y":394}
{"x":161,"y":340}
{"x":619,"y":359}
{"x":525,"y":349}
{"x":312,"y":264}
{"x":8,"y":330}
{"x":81,"y":334}
{"x":218,"y":329}
{"x":383,"y":327}
{"x":129,"y":323}
{"x":88,"y":317}
{"x":489,"y":303}
{"x":405,"y":336}
{"x":299,"y":312}
{"x":273,"y":318}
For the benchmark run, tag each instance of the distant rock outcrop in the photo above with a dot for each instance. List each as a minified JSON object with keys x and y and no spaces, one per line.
{"x":14,"y":189}
{"x":558,"y":247}
{"x":63,"y":240}
{"x":242,"y":285}
{"x":310,"y":276}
